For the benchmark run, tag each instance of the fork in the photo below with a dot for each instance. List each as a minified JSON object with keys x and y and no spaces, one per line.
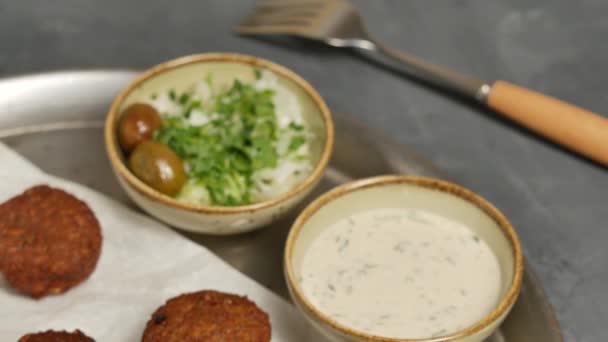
{"x":339,"y":24}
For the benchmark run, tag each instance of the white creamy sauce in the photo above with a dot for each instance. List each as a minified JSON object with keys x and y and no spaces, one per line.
{"x":401,"y":273}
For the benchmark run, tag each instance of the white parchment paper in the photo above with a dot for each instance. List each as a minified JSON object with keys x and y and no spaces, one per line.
{"x":143,"y":263}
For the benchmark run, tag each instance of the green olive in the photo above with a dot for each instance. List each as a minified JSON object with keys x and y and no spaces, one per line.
{"x":158,"y":166}
{"x":137,"y":123}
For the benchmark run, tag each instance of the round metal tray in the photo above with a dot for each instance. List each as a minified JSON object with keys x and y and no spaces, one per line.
{"x":55,"y":120}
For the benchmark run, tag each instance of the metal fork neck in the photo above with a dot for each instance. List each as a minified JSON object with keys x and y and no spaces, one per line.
{"x":465,"y":85}
{"x":356,"y":43}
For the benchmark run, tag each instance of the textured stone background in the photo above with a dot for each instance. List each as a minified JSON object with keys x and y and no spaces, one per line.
{"x":558,"y":202}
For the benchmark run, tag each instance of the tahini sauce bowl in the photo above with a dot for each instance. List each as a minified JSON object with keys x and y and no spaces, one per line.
{"x":435,"y":196}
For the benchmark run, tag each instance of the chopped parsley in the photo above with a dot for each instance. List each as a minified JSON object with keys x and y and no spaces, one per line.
{"x":183,"y":99}
{"x":296,"y":127}
{"x":296,"y":142}
{"x":239,"y":138}
{"x":257,"y":73}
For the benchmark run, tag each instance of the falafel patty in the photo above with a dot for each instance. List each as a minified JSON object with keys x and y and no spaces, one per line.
{"x":208,"y":316}
{"x":50,"y":241}
{"x":56,"y":336}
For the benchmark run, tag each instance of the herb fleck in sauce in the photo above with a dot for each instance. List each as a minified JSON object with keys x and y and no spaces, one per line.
{"x":401,"y":273}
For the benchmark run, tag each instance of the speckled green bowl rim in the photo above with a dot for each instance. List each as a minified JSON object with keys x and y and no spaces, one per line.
{"x":114,"y":152}
{"x":432,"y":184}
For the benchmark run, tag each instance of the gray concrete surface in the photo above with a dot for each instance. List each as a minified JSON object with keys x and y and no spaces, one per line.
{"x":557,"y":202}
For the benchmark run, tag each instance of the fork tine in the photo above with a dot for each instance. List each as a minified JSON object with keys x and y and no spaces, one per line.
{"x":277,"y":22}
{"x":284,"y":12}
{"x":290,"y":3}
{"x":295,"y":17}
{"x":269,"y":29}
{"x":278,"y":19}
{"x":285,"y":16}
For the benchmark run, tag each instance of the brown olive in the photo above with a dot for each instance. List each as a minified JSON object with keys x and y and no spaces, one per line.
{"x":158,"y":166}
{"x":137,"y":123}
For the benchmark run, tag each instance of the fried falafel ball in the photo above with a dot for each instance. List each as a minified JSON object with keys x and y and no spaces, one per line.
{"x":56,"y":336}
{"x":208,"y":316}
{"x":50,"y":241}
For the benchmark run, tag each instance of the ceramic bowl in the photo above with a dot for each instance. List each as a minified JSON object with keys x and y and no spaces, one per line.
{"x":443,"y":198}
{"x":182,"y":72}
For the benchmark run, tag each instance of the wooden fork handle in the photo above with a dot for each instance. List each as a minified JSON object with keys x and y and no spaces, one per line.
{"x":575,"y":128}
{"x":572,"y":127}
